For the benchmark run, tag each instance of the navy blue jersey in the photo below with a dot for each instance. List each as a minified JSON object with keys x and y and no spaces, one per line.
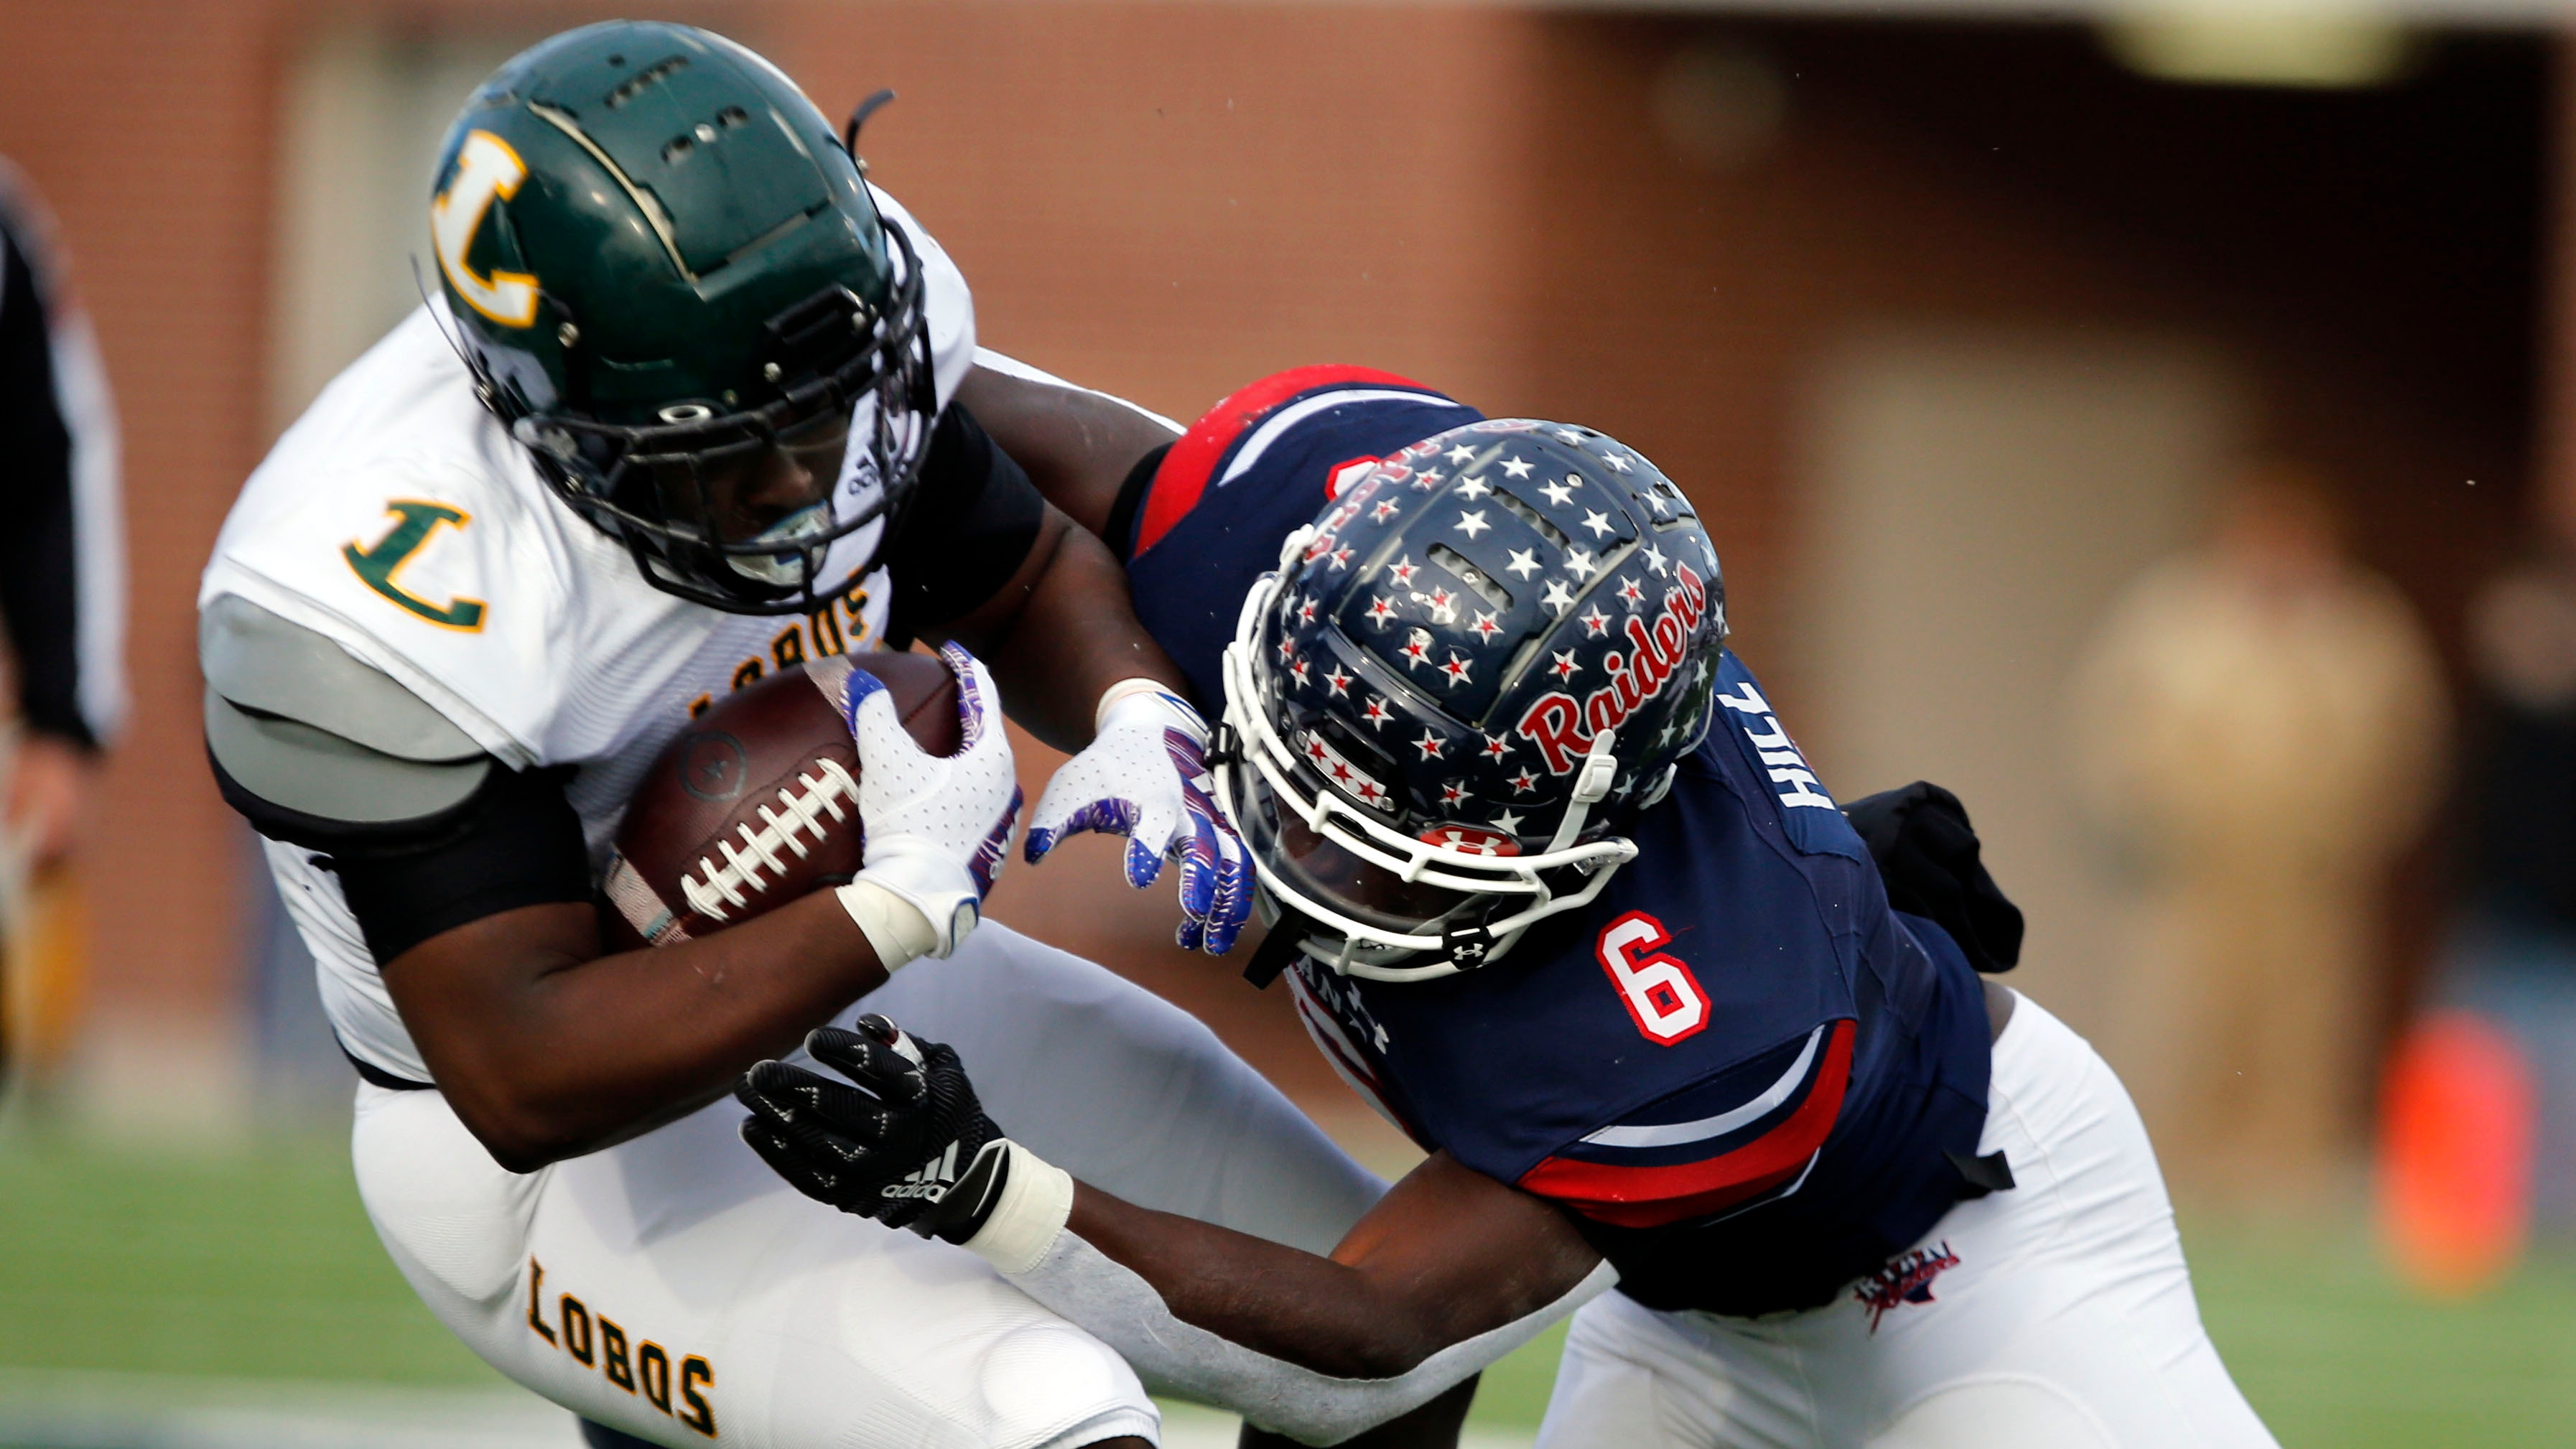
{"x":1260,"y":465}
{"x":1740,"y":1071}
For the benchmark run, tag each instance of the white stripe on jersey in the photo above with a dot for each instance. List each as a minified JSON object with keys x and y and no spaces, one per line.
{"x":1277,"y":424}
{"x":1674,"y":1134}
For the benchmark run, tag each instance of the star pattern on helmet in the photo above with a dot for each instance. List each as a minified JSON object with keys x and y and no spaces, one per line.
{"x":1582,"y":539}
{"x":1569,"y":435}
{"x":1287,"y":648}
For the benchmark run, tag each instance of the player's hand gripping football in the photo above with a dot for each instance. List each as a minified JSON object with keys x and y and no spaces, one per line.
{"x":935,"y":829}
{"x":1145,"y":776}
{"x":903,"y":1141}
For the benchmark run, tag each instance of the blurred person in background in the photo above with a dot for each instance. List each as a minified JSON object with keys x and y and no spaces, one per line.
{"x":62,"y":593}
{"x":2512,"y":956}
{"x":2258,"y":729}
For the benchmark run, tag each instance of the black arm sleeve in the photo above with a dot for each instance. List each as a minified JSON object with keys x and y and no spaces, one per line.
{"x":37,"y":556}
{"x":514,"y":842}
{"x":972,"y":523}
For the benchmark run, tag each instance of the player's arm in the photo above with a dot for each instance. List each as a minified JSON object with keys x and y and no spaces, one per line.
{"x":985,"y":560}
{"x":1446,"y":1256}
{"x":471,"y":883}
{"x":1448,"y":1272}
{"x":1077,"y":445}
{"x":993,"y":556}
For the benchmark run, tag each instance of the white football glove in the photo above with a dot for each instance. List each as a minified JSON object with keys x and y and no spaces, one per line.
{"x":1145,"y":776}
{"x":934,"y":830}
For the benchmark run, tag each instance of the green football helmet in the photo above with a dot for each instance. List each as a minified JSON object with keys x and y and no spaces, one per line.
{"x":671,"y":282}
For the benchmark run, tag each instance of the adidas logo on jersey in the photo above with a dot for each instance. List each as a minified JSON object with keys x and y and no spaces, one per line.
{"x":929,"y":1182}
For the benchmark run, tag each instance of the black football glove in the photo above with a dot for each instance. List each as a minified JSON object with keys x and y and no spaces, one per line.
{"x":908,"y":1145}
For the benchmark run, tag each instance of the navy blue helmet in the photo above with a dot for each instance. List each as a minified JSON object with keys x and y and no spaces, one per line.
{"x":1482,"y":653}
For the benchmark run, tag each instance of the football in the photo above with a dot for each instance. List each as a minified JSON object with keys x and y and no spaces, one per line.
{"x":756,"y":803}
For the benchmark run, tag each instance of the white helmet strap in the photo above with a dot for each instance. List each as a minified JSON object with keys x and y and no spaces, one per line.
{"x":1591,"y":787}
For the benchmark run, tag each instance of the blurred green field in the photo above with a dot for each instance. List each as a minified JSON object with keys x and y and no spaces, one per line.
{"x":263,"y":1266}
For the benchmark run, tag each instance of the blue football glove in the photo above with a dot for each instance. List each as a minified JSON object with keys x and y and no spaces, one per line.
{"x":1145,"y":776}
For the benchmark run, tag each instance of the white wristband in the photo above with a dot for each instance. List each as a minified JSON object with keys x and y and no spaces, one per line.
{"x":1037,"y":1201}
{"x":897,"y":930}
{"x":1127,"y":689}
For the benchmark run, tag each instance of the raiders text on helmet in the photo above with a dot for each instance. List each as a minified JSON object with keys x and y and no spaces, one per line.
{"x":1482,"y":652}
{"x":665,"y":269}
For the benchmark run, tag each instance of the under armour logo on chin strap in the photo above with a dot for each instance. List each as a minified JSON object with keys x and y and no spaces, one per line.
{"x":1467,"y":945}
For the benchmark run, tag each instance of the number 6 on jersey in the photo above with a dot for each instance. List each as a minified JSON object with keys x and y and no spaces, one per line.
{"x":1661,"y":995}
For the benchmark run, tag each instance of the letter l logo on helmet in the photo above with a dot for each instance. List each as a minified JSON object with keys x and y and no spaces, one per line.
{"x":486,"y":170}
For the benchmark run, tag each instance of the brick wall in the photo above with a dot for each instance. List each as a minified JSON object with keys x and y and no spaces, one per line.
{"x":1167,"y":200}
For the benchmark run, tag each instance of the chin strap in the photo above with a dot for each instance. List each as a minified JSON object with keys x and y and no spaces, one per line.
{"x":1591,"y":786}
{"x":1278,"y":950}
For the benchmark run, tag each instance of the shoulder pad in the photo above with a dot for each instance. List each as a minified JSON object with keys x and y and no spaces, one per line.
{"x":317,"y":778}
{"x":270,"y":666}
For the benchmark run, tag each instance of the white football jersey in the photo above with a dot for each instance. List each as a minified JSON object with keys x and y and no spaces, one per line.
{"x":399,"y":519}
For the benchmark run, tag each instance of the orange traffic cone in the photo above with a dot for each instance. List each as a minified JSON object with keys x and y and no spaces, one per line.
{"x":2459,"y":1119}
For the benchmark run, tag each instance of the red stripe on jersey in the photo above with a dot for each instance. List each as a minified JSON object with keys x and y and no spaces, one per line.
{"x":1185,"y":470}
{"x":1647,"y":1197}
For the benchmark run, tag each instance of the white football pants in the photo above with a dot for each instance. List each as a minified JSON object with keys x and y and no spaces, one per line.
{"x":2058,"y":1315}
{"x":675,"y":1288}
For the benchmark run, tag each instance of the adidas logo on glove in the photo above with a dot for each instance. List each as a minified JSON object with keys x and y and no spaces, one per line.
{"x":930,"y":1182}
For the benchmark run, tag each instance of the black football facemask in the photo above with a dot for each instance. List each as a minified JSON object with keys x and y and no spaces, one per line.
{"x":856,"y":411}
